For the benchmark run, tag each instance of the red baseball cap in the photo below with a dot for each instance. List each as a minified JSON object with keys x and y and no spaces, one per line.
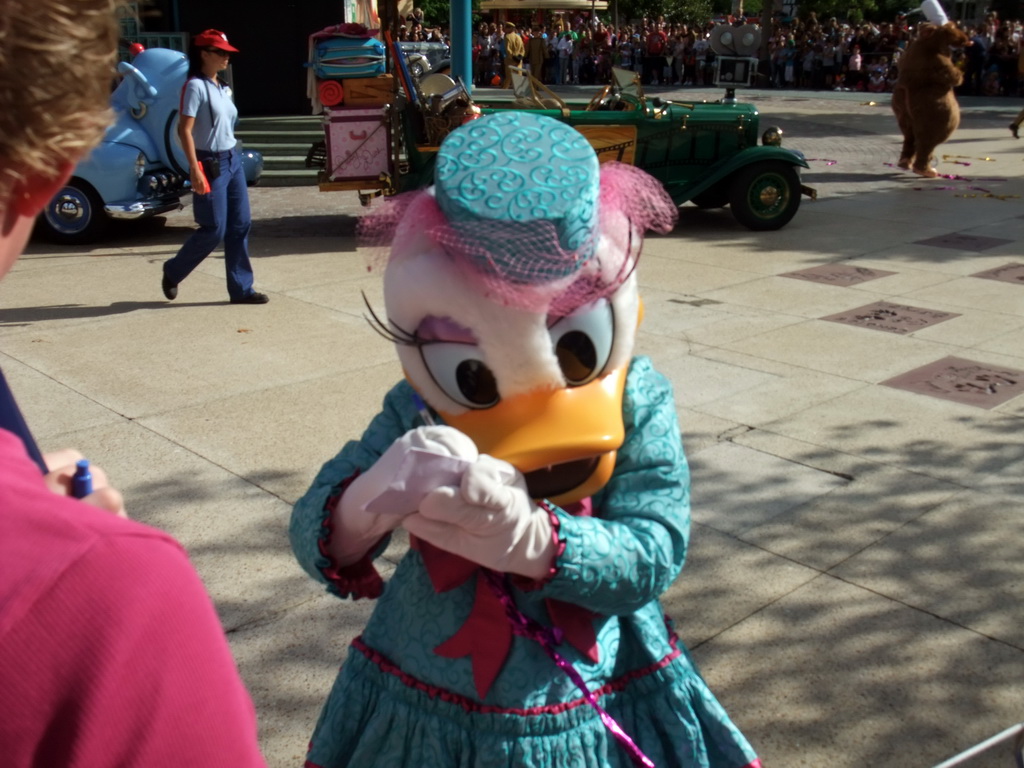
{"x":213,"y":38}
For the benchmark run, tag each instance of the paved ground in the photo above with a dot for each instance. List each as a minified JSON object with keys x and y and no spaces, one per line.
{"x":855,"y":591}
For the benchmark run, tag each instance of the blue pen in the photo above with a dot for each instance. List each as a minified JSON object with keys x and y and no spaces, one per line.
{"x":422,"y":408}
{"x":81,"y":483}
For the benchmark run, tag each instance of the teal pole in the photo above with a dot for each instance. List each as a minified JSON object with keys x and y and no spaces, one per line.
{"x":462,"y":42}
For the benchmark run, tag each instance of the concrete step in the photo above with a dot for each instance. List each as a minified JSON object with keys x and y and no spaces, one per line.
{"x":284,"y":141}
{"x":280,"y":148}
{"x":305,"y":177}
{"x":277,"y":163}
{"x":279,"y":122}
{"x":279,"y":137}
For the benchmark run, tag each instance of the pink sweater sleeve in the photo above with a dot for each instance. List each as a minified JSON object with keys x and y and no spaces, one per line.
{"x":123,"y":662}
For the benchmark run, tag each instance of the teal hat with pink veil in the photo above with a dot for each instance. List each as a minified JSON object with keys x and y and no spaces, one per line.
{"x":521,"y":202}
{"x":512,"y":176}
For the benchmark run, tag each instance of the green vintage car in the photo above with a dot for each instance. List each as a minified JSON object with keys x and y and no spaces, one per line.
{"x":712,"y":154}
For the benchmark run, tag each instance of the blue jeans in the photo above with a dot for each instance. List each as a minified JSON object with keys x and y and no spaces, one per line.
{"x":223,"y":214}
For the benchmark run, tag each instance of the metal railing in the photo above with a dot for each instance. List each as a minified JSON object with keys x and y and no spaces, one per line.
{"x":1015,"y":732}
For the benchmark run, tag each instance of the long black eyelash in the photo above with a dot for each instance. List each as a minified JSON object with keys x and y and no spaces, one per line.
{"x":402,"y":336}
{"x":629,"y":250}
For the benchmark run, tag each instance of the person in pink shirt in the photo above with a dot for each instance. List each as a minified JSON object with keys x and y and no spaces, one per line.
{"x":111,"y":652}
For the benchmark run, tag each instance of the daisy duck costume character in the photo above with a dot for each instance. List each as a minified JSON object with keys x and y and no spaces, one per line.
{"x":539,"y":471}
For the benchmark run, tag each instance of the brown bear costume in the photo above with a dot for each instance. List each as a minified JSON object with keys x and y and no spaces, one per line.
{"x":923,"y":100}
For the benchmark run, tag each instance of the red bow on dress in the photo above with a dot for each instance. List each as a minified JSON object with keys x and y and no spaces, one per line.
{"x":486,"y":635}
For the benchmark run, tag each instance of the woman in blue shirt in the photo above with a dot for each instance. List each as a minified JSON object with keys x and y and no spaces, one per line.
{"x":220,"y":200}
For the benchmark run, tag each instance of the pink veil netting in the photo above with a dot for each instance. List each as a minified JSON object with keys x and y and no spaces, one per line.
{"x":513,"y":262}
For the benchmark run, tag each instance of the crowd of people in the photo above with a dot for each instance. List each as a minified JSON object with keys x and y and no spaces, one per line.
{"x":805,"y":53}
{"x":573,"y":51}
{"x":866,"y":57}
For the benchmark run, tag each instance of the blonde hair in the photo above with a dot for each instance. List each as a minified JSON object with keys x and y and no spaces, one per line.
{"x":56,"y":69}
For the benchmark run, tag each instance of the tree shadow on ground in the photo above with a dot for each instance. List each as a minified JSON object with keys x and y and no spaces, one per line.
{"x":898,"y":644}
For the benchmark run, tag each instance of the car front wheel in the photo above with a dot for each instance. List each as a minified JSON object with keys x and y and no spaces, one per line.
{"x":75,"y":215}
{"x":765,"y":196}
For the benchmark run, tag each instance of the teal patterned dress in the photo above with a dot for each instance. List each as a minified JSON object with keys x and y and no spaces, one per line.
{"x":398,"y":702}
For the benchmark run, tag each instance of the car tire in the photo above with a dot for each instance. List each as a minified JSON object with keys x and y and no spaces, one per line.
{"x":765,"y":196}
{"x":74,"y":216}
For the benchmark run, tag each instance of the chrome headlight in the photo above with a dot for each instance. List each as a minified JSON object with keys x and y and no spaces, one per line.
{"x":772,"y":136}
{"x":140,"y":165}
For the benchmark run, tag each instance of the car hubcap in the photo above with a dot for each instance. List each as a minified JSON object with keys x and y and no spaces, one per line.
{"x":69,"y":212}
{"x":769,"y":195}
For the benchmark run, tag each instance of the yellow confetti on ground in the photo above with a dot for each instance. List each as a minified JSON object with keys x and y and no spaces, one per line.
{"x":968,"y":157}
{"x":994,"y":197}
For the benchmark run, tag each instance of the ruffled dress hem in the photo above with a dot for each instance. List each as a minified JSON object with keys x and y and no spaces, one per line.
{"x":378,"y":715}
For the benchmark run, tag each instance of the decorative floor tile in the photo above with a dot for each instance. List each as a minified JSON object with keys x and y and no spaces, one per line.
{"x":960,"y":242}
{"x":837,"y":274}
{"x":891,"y":318}
{"x":962,"y":381}
{"x":1008,"y":273}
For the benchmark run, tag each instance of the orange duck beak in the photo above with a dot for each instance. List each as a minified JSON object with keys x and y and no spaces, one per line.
{"x":564,"y":441}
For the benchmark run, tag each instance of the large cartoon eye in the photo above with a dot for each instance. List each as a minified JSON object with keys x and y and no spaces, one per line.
{"x":460,"y":371}
{"x":583,"y":341}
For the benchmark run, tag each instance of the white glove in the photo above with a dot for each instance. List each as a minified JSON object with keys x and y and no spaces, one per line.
{"x":355,"y":528}
{"x":490,"y":519}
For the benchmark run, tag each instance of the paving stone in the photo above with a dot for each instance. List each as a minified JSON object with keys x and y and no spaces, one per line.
{"x":702,"y":431}
{"x":946,"y":441}
{"x":715,"y":590}
{"x":963,"y":242}
{"x":735,"y":488}
{"x":834,"y":674}
{"x":959,"y":561}
{"x":705,"y":321}
{"x":782,"y":390}
{"x":697,"y":380}
{"x":827,"y":530}
{"x":318,"y":411}
{"x":841,"y":350}
{"x":214,"y":351}
{"x":234,"y":532}
{"x":971,"y":293}
{"x":788,"y":297}
{"x":289,"y":663}
{"x":49,"y":406}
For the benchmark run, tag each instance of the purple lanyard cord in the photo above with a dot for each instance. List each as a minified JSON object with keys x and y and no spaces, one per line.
{"x":548,"y":638}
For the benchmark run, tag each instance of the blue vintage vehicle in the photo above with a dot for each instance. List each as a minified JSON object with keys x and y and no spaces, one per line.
{"x":139,"y":169}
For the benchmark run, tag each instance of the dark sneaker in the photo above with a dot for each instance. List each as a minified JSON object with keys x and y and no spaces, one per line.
{"x":252,"y":298}
{"x":170,"y":289}
{"x":1013,"y":130}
